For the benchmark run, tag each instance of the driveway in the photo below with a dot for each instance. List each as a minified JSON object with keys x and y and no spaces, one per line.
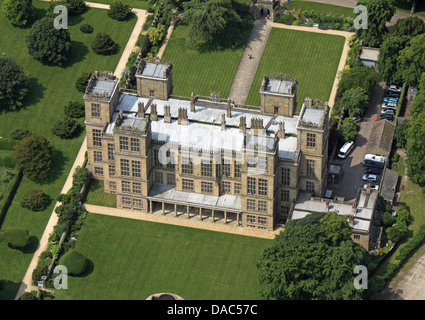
{"x":352,"y":166}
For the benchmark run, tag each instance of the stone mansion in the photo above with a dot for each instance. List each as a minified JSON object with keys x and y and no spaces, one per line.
{"x":156,"y":151}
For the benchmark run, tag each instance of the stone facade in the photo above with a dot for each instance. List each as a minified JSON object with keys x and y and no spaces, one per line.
{"x":255,"y":185}
{"x":278,"y":95}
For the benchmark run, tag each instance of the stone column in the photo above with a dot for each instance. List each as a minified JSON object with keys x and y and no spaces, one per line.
{"x":200,"y":213}
{"x":175,"y":209}
{"x":188,"y":208}
{"x":150,"y":206}
{"x":237,"y":214}
{"x":225,"y":217}
{"x":163,"y":207}
{"x":213,"y":215}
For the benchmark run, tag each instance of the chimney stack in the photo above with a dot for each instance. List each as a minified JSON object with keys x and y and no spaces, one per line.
{"x":154,"y":113}
{"x":281,"y":130}
{"x":354,"y":207}
{"x":242,"y":124}
{"x":228,"y":109}
{"x":223,"y":122}
{"x":257,"y":126}
{"x":167,"y":114}
{"x":192,"y":103}
{"x":308,"y":102}
{"x":182,"y":116}
{"x":141,"y":110}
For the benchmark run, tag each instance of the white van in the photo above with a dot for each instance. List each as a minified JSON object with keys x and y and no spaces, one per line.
{"x":371,"y":160}
{"x":346,"y":149}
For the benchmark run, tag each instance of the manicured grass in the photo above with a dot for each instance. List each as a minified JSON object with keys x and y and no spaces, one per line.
{"x":320,"y":7}
{"x":50,"y":88}
{"x":311,"y":58}
{"x":133,"y":259}
{"x":200,"y":72}
{"x":95,"y":195}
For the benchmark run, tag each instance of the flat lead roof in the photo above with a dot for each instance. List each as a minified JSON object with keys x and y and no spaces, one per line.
{"x":102,"y":86}
{"x":154,"y":70}
{"x":314,"y":115}
{"x":279,"y":86}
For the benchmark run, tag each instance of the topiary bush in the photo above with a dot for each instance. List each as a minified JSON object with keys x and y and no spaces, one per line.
{"x":81,"y":83}
{"x":75,"y":109}
{"x":15,"y":237}
{"x":35,"y":200}
{"x":19,"y":134}
{"x":86,"y":28}
{"x":66,"y":129}
{"x":75,"y":262}
{"x":103,"y":44}
{"x":119,"y":11}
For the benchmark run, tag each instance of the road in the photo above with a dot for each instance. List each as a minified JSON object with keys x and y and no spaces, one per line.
{"x":352,"y":167}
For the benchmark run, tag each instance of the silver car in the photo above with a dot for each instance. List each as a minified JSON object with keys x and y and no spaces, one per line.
{"x":370,"y":177}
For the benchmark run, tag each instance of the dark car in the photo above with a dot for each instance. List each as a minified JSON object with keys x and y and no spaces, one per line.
{"x":386,"y":116}
{"x":373,"y":170}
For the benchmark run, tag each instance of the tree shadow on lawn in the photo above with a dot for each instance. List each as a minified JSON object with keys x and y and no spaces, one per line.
{"x":9,"y":289}
{"x":78,"y":53}
{"x":89,"y":270}
{"x":35,"y":92}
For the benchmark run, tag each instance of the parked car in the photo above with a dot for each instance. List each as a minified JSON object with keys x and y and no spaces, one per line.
{"x":387,"y":111}
{"x":395,"y":88}
{"x":372,"y":187}
{"x":389,"y":105}
{"x":393,"y":94}
{"x":386,"y":116}
{"x":356,"y":119}
{"x":370,"y":177}
{"x":390,"y":99}
{"x":373,"y":170}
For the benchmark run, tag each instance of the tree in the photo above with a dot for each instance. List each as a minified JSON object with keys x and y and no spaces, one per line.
{"x":17,"y":12}
{"x":313,"y":258}
{"x":415,"y":149}
{"x":103,"y":44}
{"x":35,"y":200}
{"x":75,"y":262}
{"x":211,"y":22}
{"x":119,"y":11}
{"x":47,"y":44}
{"x":15,"y":237}
{"x":388,"y":64}
{"x":76,"y":7}
{"x":379,"y":12}
{"x":156,"y":34}
{"x":411,"y":26}
{"x":397,"y":231}
{"x":349,"y":129}
{"x":75,"y":109}
{"x":387,"y":219}
{"x":66,"y":129}
{"x":33,"y":155}
{"x":81,"y":83}
{"x":13,"y":84}
{"x":403,"y":215}
{"x":412,"y":60}
{"x":400,"y":134}
{"x":86,"y":28}
{"x":358,"y":77}
{"x":355,"y":101}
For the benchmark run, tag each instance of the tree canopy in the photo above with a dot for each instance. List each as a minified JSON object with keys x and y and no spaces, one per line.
{"x":48,"y":44}
{"x":33,"y":155}
{"x":411,"y":26}
{"x":17,"y":12}
{"x":349,"y":129}
{"x":412,"y":60}
{"x":355,"y":101}
{"x":358,"y":77}
{"x":15,"y":237}
{"x":379,"y":12}
{"x":313,"y":258}
{"x":213,"y":23}
{"x":388,"y":64}
{"x":13,"y":84}
{"x":415,"y":149}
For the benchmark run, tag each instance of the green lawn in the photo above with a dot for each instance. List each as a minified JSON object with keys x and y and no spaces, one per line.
{"x":96,"y":196}
{"x":320,"y":7}
{"x":200,"y":72}
{"x":138,"y":4}
{"x":50,"y":89}
{"x":132,"y":259}
{"x":311,"y":58}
